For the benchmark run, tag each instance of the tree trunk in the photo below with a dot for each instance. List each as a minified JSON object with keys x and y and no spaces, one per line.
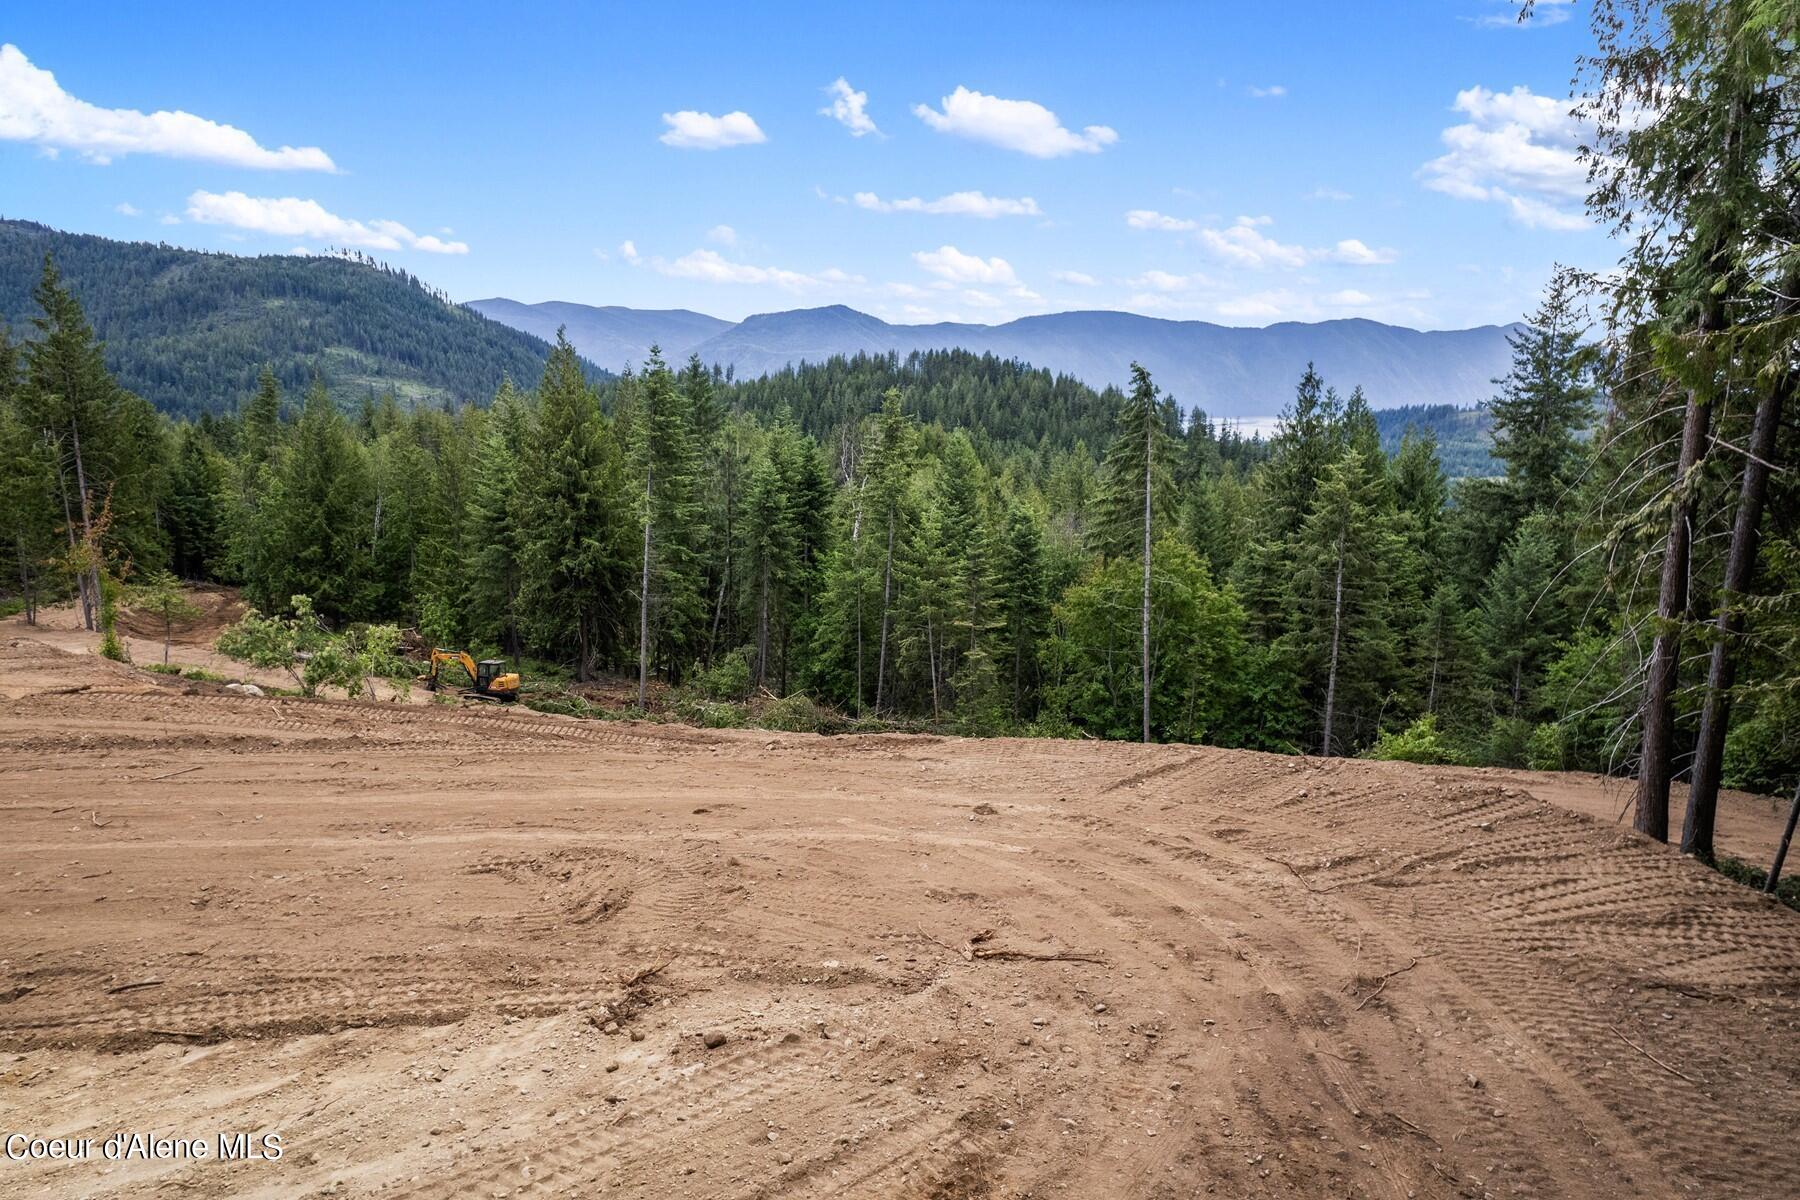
{"x":1337,"y":613}
{"x":931,"y":660}
{"x":168,"y":635}
{"x":91,"y":603}
{"x":1665,"y":655}
{"x":762,"y":624}
{"x":1149,"y":475}
{"x":887,"y":592}
{"x":1740,"y":568}
{"x":644,"y":595}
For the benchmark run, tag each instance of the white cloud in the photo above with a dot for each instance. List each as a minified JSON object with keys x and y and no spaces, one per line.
{"x":169,"y":219}
{"x":1165,"y":282}
{"x":709,"y":266}
{"x":1242,"y":244}
{"x":628,"y":251}
{"x":126,"y":209}
{"x":1021,"y":125}
{"x":691,"y":130}
{"x":34,"y":108}
{"x":293,"y":217}
{"x":1348,"y":298}
{"x":947,"y":262}
{"x":1517,"y":149}
{"x":1543,"y":13}
{"x":1329,"y":193}
{"x":1354,"y":252}
{"x":1076,"y":278}
{"x":723,"y":235}
{"x":1144,"y":218}
{"x":849,"y":108}
{"x":962,"y":204}
{"x":1273,"y":92}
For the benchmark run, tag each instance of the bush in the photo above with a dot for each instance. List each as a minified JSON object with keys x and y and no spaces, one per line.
{"x":727,"y":679}
{"x":798,"y":714}
{"x":715,"y":714}
{"x":1507,"y":744}
{"x":162,"y":669}
{"x":1421,"y":742}
{"x":1762,"y":750}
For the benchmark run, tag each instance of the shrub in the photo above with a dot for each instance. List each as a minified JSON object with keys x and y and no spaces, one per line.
{"x":1420,"y":742}
{"x":798,"y":714}
{"x":727,"y":679}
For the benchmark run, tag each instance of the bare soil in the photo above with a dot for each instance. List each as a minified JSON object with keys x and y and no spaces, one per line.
{"x":455,"y":951}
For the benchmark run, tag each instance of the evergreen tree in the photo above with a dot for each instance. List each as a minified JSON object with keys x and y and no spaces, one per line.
{"x":1546,"y":400}
{"x":1341,"y":635}
{"x":1022,"y":606}
{"x":664,"y":477}
{"x":318,"y":518}
{"x":1520,"y":617}
{"x":578,"y":519}
{"x":495,"y":536}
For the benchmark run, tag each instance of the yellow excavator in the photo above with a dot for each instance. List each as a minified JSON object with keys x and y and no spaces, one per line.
{"x":491,"y":681}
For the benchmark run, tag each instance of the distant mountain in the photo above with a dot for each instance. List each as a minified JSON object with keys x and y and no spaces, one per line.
{"x":190,"y":331}
{"x":611,"y":337}
{"x":1228,"y":371}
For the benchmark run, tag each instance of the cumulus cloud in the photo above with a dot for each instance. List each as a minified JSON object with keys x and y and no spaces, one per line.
{"x":1145,"y":218}
{"x":1243,"y":244}
{"x":1273,"y":92}
{"x":628,"y":251}
{"x":691,"y":130}
{"x":709,"y":266}
{"x":1519,"y":150}
{"x":1076,"y":278}
{"x":1165,"y":282}
{"x":1022,"y":125}
{"x":849,"y":108}
{"x":1336,"y":195}
{"x":34,"y":108}
{"x":961,"y":204}
{"x":1355,"y":253}
{"x":724,"y":235}
{"x":290,"y":217}
{"x":126,"y":209}
{"x":947,"y":262}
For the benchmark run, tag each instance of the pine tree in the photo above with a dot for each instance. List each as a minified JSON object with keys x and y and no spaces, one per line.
{"x":664,"y":477}
{"x":192,"y":510}
{"x":1546,"y":400}
{"x":1138,"y":497}
{"x":1022,"y":604}
{"x":495,"y":537}
{"x":578,"y":519}
{"x":1342,"y":557}
{"x":1520,"y":614}
{"x":890,"y":469}
{"x":318,"y":517}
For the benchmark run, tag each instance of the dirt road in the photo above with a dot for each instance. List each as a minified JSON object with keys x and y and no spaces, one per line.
{"x":449,"y":952}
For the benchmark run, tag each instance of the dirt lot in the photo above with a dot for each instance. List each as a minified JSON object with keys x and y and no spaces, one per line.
{"x":451,"y":952}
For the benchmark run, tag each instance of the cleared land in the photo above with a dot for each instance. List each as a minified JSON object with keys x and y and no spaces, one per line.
{"x":398,"y":936}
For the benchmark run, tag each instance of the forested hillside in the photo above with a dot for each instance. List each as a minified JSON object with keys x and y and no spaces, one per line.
{"x":190,"y":332}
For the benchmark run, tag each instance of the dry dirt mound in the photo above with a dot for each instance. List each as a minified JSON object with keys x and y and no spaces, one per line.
{"x":450,"y":952}
{"x":219,"y":607}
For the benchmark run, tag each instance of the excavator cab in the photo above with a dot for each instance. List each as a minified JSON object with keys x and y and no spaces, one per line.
{"x":491,"y":680}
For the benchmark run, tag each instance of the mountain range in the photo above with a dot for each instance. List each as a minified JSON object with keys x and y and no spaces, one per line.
{"x":1229,"y":372}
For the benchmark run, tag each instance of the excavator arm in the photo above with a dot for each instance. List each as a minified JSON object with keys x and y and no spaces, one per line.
{"x":439,"y":657}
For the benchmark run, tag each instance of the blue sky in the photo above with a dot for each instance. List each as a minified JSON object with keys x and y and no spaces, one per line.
{"x":1244,"y":164}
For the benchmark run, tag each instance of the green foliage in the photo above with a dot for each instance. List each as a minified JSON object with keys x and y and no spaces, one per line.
{"x":1197,"y":643}
{"x":729,"y":678}
{"x":1421,"y":742}
{"x":191,"y":331}
{"x":276,"y":642}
